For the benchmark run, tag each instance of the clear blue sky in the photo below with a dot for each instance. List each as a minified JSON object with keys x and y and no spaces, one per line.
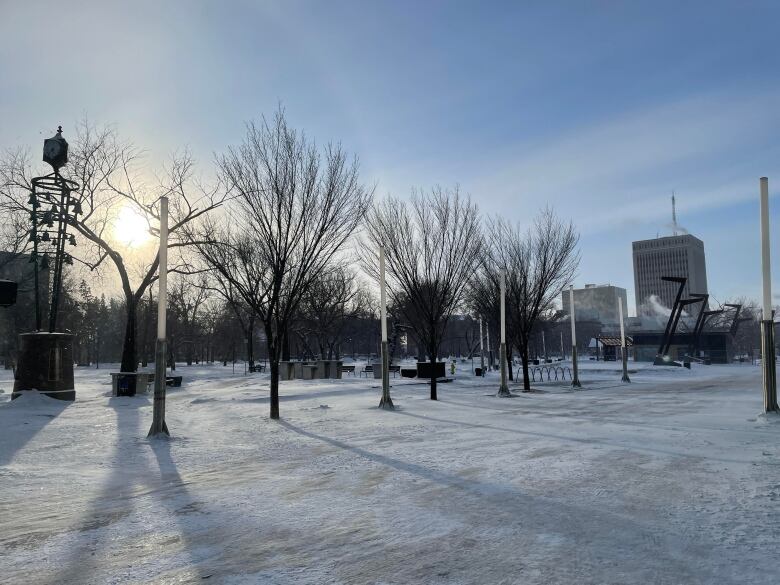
{"x":599,"y":109}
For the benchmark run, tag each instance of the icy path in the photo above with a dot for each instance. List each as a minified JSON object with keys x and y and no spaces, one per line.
{"x":643,"y":483}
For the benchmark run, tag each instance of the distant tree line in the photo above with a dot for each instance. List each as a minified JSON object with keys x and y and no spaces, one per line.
{"x":277,"y":259}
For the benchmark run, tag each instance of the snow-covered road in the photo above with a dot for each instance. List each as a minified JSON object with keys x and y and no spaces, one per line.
{"x":671,"y":479}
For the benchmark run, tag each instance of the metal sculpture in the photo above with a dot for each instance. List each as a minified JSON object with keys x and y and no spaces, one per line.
{"x":54,"y":205}
{"x":736,"y":320}
{"x":46,"y":357}
{"x":701,"y":323}
{"x":661,"y":358}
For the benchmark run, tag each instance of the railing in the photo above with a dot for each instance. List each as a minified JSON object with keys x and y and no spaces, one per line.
{"x":553,"y":373}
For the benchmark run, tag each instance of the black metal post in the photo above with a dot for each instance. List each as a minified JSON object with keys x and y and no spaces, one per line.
{"x":768,"y":365}
{"x":681,"y":280}
{"x":575,"y":380}
{"x":34,"y":233}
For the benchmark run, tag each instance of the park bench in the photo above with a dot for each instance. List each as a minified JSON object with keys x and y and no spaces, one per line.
{"x":257,"y":368}
{"x":368,"y":369}
{"x":395,"y":370}
{"x":348,"y":369}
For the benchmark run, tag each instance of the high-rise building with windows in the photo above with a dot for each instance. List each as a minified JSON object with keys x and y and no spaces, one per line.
{"x":678,"y":255}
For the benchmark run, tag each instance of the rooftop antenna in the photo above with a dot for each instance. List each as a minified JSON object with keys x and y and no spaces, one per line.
{"x":674,"y":215}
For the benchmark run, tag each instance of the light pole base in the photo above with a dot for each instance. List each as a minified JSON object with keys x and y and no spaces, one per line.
{"x":503,"y":389}
{"x":386,"y":402}
{"x":625,"y":366}
{"x":575,"y":380}
{"x":768,"y":365}
{"x":159,"y":426}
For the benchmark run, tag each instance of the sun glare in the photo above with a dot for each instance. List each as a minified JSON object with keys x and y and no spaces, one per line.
{"x":131,"y":228}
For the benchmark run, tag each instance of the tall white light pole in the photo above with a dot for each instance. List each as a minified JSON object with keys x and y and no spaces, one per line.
{"x":767,"y":318}
{"x":623,"y":347}
{"x":575,"y":381}
{"x":490,"y":354}
{"x":481,"y":350}
{"x":386,"y":401}
{"x":159,"y":427}
{"x":503,"y":390}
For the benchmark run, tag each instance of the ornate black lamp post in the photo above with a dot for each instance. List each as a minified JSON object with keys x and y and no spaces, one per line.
{"x":46,"y":357}
{"x":53,"y":207}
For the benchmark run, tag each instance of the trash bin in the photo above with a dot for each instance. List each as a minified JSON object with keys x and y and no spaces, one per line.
{"x":477,"y":371}
{"x":125,"y":384}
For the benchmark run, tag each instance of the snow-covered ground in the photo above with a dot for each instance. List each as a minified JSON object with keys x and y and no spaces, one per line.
{"x":671,"y":479}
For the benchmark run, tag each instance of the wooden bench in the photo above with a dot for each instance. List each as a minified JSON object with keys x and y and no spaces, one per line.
{"x":348,"y":369}
{"x":257,"y":368}
{"x":369,"y":369}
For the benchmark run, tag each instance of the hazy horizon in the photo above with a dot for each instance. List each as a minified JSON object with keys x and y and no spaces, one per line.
{"x":600,"y":110}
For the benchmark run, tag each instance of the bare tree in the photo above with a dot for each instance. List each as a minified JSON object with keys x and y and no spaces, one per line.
{"x":185,"y":300}
{"x":293,"y":209}
{"x":539,"y":262}
{"x":431,"y":245}
{"x":109,"y":173}
{"x":244,"y":315}
{"x":326,"y":307}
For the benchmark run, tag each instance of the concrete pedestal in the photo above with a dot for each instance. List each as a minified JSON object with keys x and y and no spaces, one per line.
{"x":287,"y":371}
{"x":329,"y":369}
{"x":309,"y":372}
{"x":45,"y":364}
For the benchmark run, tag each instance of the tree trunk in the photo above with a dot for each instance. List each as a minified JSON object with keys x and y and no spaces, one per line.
{"x":524,"y":359}
{"x":145,"y":337}
{"x":189,"y":351}
{"x":129,"y":357}
{"x":432,"y":359}
{"x":250,"y":348}
{"x":285,"y":347}
{"x":509,"y":362}
{"x":273,"y":362}
{"x":172,"y":354}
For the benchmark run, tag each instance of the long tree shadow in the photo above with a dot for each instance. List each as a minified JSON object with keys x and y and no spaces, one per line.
{"x":179,"y":502}
{"x":586,"y":441}
{"x":115,"y":500}
{"x":311,"y":395}
{"x":111,"y":504}
{"x":622,"y":535}
{"x":22,"y":419}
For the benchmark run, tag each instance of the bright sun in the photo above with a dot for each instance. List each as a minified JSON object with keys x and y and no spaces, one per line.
{"x":131,"y":228}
